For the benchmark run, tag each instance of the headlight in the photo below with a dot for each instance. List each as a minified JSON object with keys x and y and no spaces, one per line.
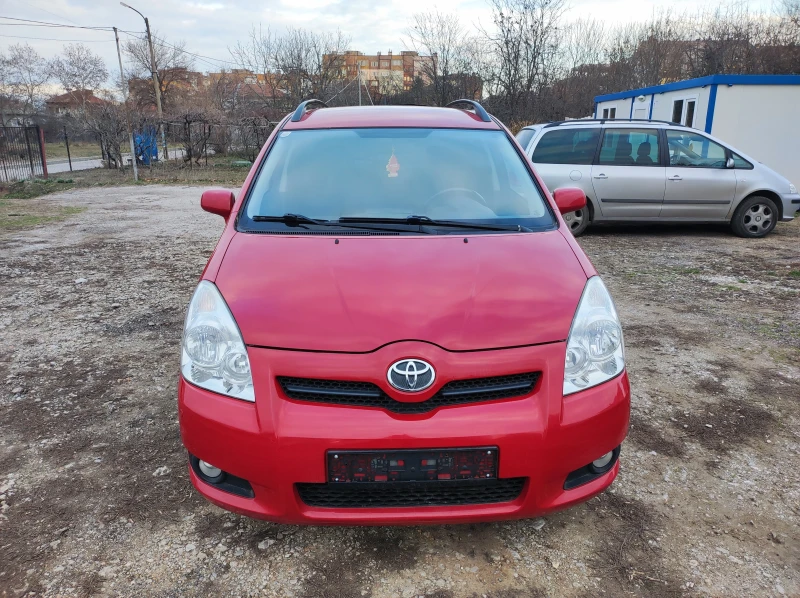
{"x":792,"y":189}
{"x":595,"y":350}
{"x":214,"y":356}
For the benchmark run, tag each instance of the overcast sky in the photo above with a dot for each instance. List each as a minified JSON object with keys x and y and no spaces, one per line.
{"x":209,"y":27}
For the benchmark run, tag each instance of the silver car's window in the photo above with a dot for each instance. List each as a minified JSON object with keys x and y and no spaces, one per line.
{"x":739,"y":162}
{"x":694,"y":151}
{"x":524,"y":137}
{"x":567,"y":146}
{"x":630,"y":147}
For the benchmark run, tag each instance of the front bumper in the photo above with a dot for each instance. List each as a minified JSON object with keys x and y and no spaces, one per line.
{"x":791,"y":205}
{"x":277,"y":442}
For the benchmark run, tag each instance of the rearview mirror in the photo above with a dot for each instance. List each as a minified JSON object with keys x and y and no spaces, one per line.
{"x":730,"y":163}
{"x":218,"y":201}
{"x":569,"y":199}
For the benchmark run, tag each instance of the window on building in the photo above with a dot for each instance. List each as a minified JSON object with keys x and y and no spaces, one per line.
{"x":375,"y":63}
{"x":694,"y":150}
{"x":689,"y":120}
{"x":397,"y":63}
{"x":609,"y":113}
{"x":629,"y":147}
{"x":567,"y":146}
{"x":677,"y":111}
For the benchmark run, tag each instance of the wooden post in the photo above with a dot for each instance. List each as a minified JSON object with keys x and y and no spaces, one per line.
{"x":66,"y":140}
{"x":30,"y":152}
{"x":43,"y":153}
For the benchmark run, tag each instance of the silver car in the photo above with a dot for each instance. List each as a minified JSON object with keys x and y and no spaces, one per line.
{"x":655,"y":171}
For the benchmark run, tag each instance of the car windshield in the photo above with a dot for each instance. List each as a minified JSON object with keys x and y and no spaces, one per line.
{"x":393,"y":173}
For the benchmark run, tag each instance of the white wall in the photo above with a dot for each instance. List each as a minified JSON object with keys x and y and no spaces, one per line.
{"x":663,"y":102}
{"x":762,"y":121}
{"x":623,"y":107}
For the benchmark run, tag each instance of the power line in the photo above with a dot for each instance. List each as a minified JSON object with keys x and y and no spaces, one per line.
{"x":53,"y":39}
{"x":49,"y":24}
{"x":45,"y":10}
{"x":166,"y":43}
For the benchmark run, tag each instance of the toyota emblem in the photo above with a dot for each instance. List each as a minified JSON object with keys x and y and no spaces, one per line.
{"x":411,"y":375}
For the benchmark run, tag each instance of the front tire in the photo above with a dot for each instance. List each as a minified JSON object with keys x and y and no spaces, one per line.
{"x":755,"y":217}
{"x":578,"y":221}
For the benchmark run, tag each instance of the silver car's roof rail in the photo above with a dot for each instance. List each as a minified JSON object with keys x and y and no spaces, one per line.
{"x":607,"y":120}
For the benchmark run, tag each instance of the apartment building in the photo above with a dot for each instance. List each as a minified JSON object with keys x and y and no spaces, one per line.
{"x":381,"y":71}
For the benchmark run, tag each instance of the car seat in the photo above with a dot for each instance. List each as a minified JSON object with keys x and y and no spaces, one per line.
{"x":643,"y":154}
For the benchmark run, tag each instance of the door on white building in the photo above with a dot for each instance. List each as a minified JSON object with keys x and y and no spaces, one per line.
{"x":628,"y":177}
{"x":699,"y":185}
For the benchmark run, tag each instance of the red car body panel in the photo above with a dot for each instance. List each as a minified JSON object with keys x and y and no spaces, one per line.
{"x":278,"y":442}
{"x":308,"y":307}
{"x":494,"y":291}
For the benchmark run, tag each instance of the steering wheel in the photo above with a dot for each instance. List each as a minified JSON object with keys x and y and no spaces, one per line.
{"x":459,"y":193}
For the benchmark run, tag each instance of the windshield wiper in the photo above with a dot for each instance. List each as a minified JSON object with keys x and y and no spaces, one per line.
{"x":298,"y":219}
{"x":425,"y":220}
{"x":291,"y":219}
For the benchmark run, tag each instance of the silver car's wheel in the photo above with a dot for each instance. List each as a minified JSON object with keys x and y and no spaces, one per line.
{"x":577,"y":221}
{"x":755,"y":217}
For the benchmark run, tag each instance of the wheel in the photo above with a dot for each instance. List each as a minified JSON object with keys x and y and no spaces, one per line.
{"x":578,"y":220}
{"x":755,"y":217}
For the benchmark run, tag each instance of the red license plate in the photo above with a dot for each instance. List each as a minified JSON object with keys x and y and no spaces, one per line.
{"x":413,"y":465}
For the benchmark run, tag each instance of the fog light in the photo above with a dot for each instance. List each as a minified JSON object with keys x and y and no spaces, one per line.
{"x":598,"y":464}
{"x":209,"y":470}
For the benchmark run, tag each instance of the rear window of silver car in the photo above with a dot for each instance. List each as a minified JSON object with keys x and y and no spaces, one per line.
{"x":567,"y":146}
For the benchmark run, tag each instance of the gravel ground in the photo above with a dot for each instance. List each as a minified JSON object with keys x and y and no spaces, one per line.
{"x":95,"y":497}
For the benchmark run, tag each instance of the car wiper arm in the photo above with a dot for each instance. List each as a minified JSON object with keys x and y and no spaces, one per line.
{"x":292,"y":220}
{"x":298,"y":219}
{"x":425,"y":220}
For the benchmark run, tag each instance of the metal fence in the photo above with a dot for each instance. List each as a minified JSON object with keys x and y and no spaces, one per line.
{"x":21,"y":153}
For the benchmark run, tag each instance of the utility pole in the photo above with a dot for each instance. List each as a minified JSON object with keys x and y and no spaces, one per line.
{"x":127,"y":112}
{"x":359,"y":82}
{"x":154,"y":72}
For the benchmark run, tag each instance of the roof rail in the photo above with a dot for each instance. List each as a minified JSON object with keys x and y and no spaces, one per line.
{"x":479,"y":110}
{"x":607,"y":120}
{"x":303,"y":108}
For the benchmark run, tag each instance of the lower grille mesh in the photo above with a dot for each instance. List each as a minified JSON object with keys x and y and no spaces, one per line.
{"x":410,"y":494}
{"x":366,"y":394}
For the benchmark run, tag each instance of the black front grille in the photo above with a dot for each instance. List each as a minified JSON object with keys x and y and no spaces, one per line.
{"x":366,"y":394}
{"x":410,"y":494}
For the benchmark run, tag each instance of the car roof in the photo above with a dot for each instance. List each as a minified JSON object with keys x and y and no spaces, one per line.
{"x":390,"y":116}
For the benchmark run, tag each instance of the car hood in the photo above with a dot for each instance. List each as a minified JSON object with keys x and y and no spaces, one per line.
{"x":360,"y":293}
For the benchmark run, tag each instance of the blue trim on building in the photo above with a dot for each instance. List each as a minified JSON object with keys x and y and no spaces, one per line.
{"x":702,"y":82}
{"x":650,"y":116}
{"x":631,"y":112}
{"x":712,"y":101}
{"x":595,"y":109}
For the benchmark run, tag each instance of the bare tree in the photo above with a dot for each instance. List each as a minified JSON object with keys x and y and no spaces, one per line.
{"x":441,"y":37}
{"x":78,"y":68}
{"x":26,"y":74}
{"x":173,"y":65}
{"x":288,"y":68}
{"x":525,"y":41}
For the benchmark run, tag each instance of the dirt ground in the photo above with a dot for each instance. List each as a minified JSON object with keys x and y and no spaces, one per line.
{"x":95,"y":497}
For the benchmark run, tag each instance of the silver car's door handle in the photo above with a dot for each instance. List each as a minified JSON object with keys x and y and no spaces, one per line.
{"x":600,"y":176}
{"x":676,"y":177}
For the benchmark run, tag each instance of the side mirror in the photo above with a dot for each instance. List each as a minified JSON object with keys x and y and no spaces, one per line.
{"x":569,"y":199}
{"x":730,"y":163}
{"x":218,"y":201}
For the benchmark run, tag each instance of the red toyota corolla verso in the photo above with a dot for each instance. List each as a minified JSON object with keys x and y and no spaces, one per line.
{"x":396,"y":326}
